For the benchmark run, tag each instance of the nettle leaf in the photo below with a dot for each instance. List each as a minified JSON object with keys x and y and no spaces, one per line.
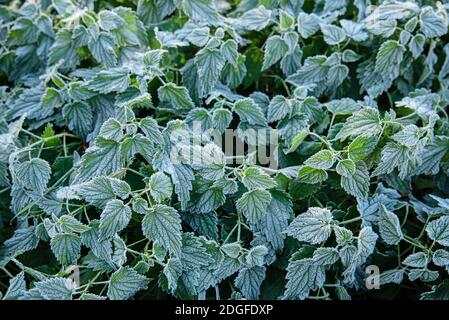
{"x":255,"y":19}
{"x":114,"y":218}
{"x":66,"y":247}
{"x":221,"y":119}
{"x":160,"y":186}
{"x":324,"y":159}
{"x":100,"y":190}
{"x":124,"y":283}
{"x":303,"y":276}
{"x":308,"y":24}
{"x":389,"y":227}
{"x":346,"y":168}
{"x":311,"y":175}
{"x":250,"y":112}
{"x":253,"y":204}
{"x":150,"y":128}
{"x":201,"y":10}
{"x":249,"y":280}
{"x":278,"y":109}
{"x":177,"y":96}
{"x":416,"y":260}
{"x":102,"y":48}
{"x":209,"y":63}
{"x":33,"y":174}
{"x":389,"y":57}
{"x":105,"y":81}
{"x":275,"y":49}
{"x":313,"y":226}
{"x":364,"y":123}
{"x":433,"y":24}
{"x":112,"y":129}
{"x":361,"y":147}
{"x":255,"y":178}
{"x":438,"y":230}
{"x":441,"y":257}
{"x":162,"y":225}
{"x":80,"y":118}
{"x":103,"y":159}
{"x":16,"y":288}
{"x":325,"y":256}
{"x":333,"y":35}
{"x":56,"y":288}
{"x":356,"y":183}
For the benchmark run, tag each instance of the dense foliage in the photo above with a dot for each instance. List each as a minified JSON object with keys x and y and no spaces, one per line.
{"x":93,"y":207}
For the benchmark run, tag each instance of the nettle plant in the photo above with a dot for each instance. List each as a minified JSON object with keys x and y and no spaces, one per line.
{"x":96,"y":94}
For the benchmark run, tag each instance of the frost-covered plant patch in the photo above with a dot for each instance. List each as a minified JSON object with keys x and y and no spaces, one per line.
{"x":211,"y":149}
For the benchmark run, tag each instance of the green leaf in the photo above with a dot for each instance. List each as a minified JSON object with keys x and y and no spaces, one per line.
{"x":124,"y":283}
{"x":324,"y":159}
{"x":66,"y":247}
{"x":102,"y":160}
{"x":194,"y":254}
{"x":361,"y":147}
{"x":100,"y":190}
{"x":70,"y":224}
{"x":313,"y":226}
{"x":308,"y":24}
{"x":278,"y":109}
{"x":256,"y":256}
{"x":221,"y":119}
{"x":297,"y":140}
{"x":333,"y":35}
{"x":389,"y":226}
{"x":433,"y":24}
{"x":112,"y":129}
{"x":229,"y":49}
{"x":416,"y":260}
{"x":249,"y":280}
{"x":275,"y":221}
{"x":177,"y":96}
{"x":325,"y":256}
{"x":80,"y":118}
{"x":250,"y":112}
{"x":16,"y":288}
{"x":391,"y":276}
{"x":255,"y":178}
{"x":255,"y":19}
{"x":232,"y":249}
{"x":275,"y":49}
{"x":302,"y":277}
{"x":356,"y":184}
{"x":209,"y":63}
{"x":253,"y":204}
{"x":56,"y":288}
{"x":33,"y":174}
{"x":150,"y":128}
{"x":438,"y":230}
{"x":160,"y":187}
{"x":364,"y":123}
{"x":114,"y":218}
{"x":346,"y":168}
{"x":343,"y":106}
{"x":201,"y":10}
{"x":441,"y":257}
{"x":389,"y":56}
{"x":105,"y":81}
{"x":310,"y":175}
{"x":102,"y":48}
{"x":162,"y":225}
